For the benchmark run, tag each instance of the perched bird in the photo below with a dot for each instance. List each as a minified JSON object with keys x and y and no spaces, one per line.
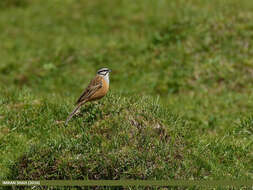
{"x":97,"y":89}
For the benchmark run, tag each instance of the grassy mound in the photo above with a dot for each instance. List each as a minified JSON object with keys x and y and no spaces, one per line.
{"x":120,"y":138}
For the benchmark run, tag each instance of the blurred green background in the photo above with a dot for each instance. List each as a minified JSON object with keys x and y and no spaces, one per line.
{"x":192,"y":57}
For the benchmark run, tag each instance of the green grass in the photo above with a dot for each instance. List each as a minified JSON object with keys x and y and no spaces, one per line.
{"x":180,"y":103}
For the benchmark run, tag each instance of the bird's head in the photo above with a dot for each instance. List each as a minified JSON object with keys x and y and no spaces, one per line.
{"x":103,"y":72}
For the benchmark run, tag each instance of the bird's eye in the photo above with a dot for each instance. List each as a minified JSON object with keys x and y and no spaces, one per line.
{"x":103,"y":71}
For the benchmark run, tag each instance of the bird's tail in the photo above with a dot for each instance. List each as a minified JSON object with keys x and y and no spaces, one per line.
{"x":73,"y":112}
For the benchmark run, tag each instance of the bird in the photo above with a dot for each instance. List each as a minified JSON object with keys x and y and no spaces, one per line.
{"x":97,"y":89}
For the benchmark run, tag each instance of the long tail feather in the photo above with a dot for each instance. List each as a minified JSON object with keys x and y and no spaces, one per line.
{"x":73,"y":113}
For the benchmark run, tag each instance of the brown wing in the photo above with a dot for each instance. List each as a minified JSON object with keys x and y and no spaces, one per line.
{"x":94,"y":85}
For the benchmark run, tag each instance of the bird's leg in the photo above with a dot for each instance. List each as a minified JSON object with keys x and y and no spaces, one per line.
{"x":96,"y":104}
{"x":100,"y":103}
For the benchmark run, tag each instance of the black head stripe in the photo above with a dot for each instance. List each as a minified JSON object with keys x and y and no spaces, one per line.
{"x":103,"y":72}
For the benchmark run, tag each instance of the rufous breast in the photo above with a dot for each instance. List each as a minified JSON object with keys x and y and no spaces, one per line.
{"x":102,"y":91}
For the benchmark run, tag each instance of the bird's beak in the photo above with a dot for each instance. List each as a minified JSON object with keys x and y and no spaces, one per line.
{"x":110,"y":70}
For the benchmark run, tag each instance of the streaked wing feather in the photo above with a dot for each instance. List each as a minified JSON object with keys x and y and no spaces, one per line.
{"x":94,"y":85}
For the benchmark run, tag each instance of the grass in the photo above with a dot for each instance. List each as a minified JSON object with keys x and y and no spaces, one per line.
{"x":180,"y":103}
